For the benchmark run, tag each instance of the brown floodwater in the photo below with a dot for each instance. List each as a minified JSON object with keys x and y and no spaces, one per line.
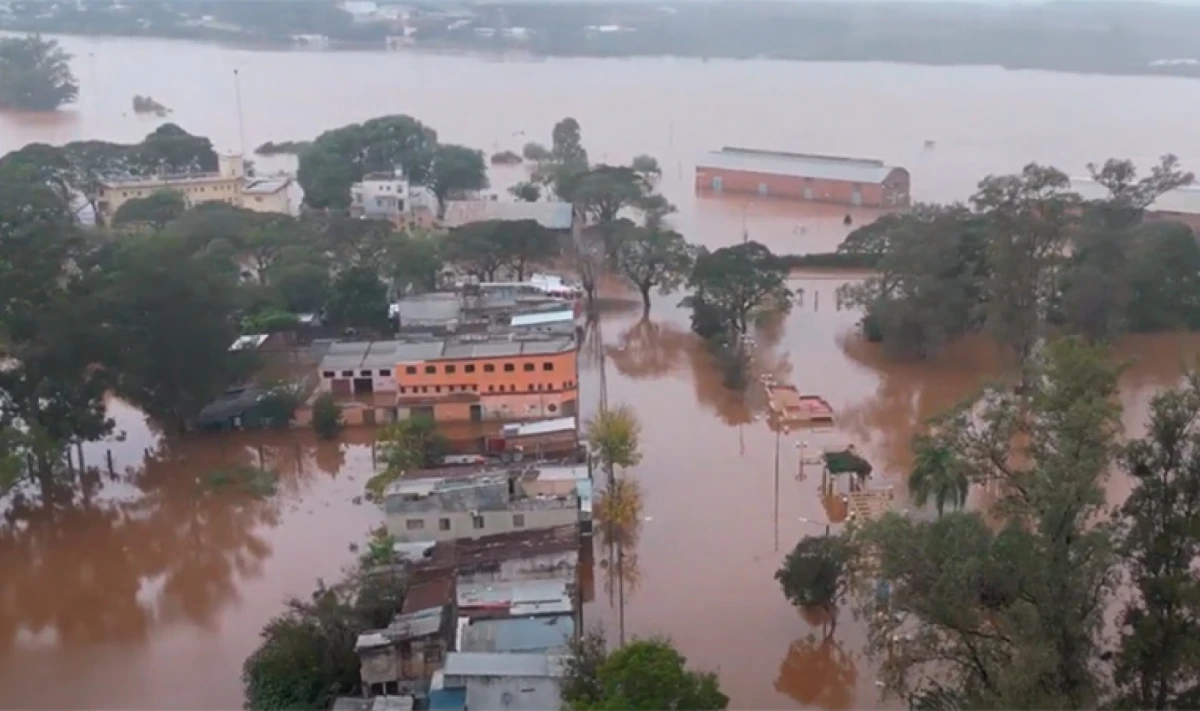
{"x":150,"y":593}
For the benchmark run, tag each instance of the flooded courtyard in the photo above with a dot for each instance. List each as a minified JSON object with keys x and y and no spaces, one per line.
{"x":150,"y":592}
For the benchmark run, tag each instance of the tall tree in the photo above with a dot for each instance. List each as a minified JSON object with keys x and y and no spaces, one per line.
{"x":654,"y":257}
{"x":740,"y":281}
{"x":51,"y":393}
{"x":937,"y":476}
{"x":1158,"y":662}
{"x":1012,"y":619}
{"x":524,"y":243}
{"x":342,"y":156}
{"x":815,"y":574}
{"x":456,"y":170}
{"x":359,"y":300}
{"x":414,"y":443}
{"x":35,"y":74}
{"x":476,"y":249}
{"x":169,"y":149}
{"x":1028,"y":217}
{"x":169,"y":321}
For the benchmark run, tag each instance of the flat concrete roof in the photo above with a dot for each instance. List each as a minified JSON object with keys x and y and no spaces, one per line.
{"x":386,"y":354}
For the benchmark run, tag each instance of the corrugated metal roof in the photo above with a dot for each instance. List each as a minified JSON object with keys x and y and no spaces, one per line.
{"x":543,"y":318}
{"x":800,"y":165}
{"x":447,"y":700}
{"x":540,"y":427}
{"x":551,"y":215}
{"x":519,"y":635}
{"x":499,"y":664}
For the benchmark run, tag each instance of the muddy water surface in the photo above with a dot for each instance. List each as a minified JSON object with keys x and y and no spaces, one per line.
{"x":151,"y":593}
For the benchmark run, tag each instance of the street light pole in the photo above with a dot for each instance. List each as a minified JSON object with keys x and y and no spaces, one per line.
{"x":777,"y":434}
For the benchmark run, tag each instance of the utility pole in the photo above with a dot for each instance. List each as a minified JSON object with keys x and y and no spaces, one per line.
{"x":777,"y":435}
{"x":237,"y":89}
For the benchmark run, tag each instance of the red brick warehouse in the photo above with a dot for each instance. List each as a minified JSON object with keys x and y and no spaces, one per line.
{"x":801,"y":176}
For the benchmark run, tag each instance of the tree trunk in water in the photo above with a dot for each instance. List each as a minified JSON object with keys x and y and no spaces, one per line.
{"x":645,"y":289}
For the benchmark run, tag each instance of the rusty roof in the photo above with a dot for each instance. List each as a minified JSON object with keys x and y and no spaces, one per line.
{"x":432,"y":591}
{"x":467,"y":553}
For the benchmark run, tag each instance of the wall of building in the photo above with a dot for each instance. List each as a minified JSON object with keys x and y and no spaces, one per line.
{"x":196,"y":191}
{"x":516,"y":374}
{"x":551,"y":566}
{"x":278,"y":201}
{"x":449,"y":525}
{"x":892,"y":192}
{"x":513,"y":693}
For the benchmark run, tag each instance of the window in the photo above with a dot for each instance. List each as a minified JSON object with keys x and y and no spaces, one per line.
{"x":444,"y":524}
{"x":328,"y":374}
{"x":347,"y":373}
{"x":476,"y":521}
{"x":529,"y":367}
{"x":411,"y":370}
{"x":531,"y":387}
{"x":509,"y":367}
{"x":469,"y":368}
{"x":451,"y":370}
{"x":491,"y":388}
{"x":401,"y":389}
{"x":518,"y":520}
{"x":424,"y":389}
{"x":552,"y":408}
{"x":437,"y":388}
{"x":489,"y":368}
{"x":385,"y":372}
{"x":414,"y":524}
{"x":365,"y":373}
{"x":430,"y":369}
{"x":547,"y":366}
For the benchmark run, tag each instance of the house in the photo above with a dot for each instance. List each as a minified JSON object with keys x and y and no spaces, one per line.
{"x":400,"y":658}
{"x":560,"y":321}
{"x":388,"y":195}
{"x":474,"y":506}
{"x":515,"y":598}
{"x":518,"y":635}
{"x":1181,"y":204}
{"x":553,"y":215}
{"x":229,"y":184}
{"x":541,"y":438}
{"x":526,"y":554}
{"x":495,"y":680}
{"x":802,"y":176}
{"x":235,"y":409}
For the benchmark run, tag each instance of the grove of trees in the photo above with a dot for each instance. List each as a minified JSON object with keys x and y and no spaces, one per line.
{"x":35,"y":74}
{"x":1028,"y":259}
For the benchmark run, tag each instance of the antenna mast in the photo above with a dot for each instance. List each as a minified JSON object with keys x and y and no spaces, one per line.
{"x":237,"y":88}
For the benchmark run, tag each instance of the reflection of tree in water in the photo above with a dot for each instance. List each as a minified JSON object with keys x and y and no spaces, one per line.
{"x":102,"y":571}
{"x":818,"y":673}
{"x":650,"y":350}
{"x":619,"y":525}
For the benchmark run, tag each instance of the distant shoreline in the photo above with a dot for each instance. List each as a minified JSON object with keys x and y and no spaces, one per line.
{"x":265,"y":44}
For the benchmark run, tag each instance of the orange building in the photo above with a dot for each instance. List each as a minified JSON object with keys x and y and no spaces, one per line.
{"x":459,"y":379}
{"x":802,"y":176}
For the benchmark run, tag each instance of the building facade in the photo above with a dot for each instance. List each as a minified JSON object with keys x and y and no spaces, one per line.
{"x":229,"y":185}
{"x":499,"y":680}
{"x":800,"y":176}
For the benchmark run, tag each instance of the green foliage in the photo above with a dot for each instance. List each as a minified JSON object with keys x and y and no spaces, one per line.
{"x":649,"y":675}
{"x":482,"y":248}
{"x":405,"y":445}
{"x":35,"y":74}
{"x":1011,"y":619}
{"x":526,"y":191}
{"x":155,"y":210}
{"x":270,"y":321}
{"x":381,"y":549}
{"x":816,"y":572}
{"x":937,"y":475}
{"x":734,"y":283}
{"x":581,"y":680}
{"x":614,"y":436}
{"x":342,"y":156}
{"x":170,"y":323}
{"x":650,"y":257}
{"x":359,"y":300}
{"x":240,"y":480}
{"x":326,"y":416}
{"x":646,"y":166}
{"x":1158,"y":662}
{"x":272,"y":148}
{"x":306,"y":658}
{"x":414,"y":262}
{"x":303,"y":287}
{"x":1027,"y":260}
{"x":456,"y":169}
{"x":834,"y":260}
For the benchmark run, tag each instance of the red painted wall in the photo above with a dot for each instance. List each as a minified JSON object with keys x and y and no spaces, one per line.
{"x":891,"y":193}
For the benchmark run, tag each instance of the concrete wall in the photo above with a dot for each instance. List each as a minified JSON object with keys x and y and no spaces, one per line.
{"x":448,"y":525}
{"x":195,"y":191}
{"x":551,"y":566}
{"x":278,"y":201}
{"x":502,"y":693}
{"x":892,"y":192}
{"x":490,"y":375}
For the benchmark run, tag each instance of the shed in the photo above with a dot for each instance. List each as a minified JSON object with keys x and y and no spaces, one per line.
{"x":235,"y":409}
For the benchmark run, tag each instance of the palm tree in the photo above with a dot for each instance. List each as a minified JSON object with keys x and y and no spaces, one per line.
{"x":937,"y":474}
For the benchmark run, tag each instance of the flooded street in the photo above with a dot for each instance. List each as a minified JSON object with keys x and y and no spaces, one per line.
{"x":152,"y":594}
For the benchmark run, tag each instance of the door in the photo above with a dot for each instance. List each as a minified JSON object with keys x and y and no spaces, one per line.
{"x":762,"y":188}
{"x":718,"y":184}
{"x":808,"y":194}
{"x":476,"y":413}
{"x":369,"y":416}
{"x":856,"y":196}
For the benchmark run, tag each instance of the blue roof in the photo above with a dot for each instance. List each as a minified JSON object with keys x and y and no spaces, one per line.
{"x":519,"y":635}
{"x":447,"y":700}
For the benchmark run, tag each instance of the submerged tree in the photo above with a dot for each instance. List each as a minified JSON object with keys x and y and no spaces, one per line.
{"x":654,"y":257}
{"x":35,"y":74}
{"x":647,"y":675}
{"x":735,"y":283}
{"x":816,"y":572}
{"x":937,"y":476}
{"x":1014,"y":618}
{"x":405,"y":445}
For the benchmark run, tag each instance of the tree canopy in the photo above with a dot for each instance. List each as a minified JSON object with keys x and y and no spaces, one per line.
{"x":340,"y":157}
{"x":650,"y":257}
{"x":644,"y":674}
{"x":732,"y":284}
{"x":35,"y":74}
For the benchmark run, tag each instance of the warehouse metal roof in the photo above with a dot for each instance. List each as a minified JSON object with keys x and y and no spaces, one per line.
{"x":800,"y":165}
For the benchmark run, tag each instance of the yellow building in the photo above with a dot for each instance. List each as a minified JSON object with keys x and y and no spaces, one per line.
{"x":229,"y":185}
